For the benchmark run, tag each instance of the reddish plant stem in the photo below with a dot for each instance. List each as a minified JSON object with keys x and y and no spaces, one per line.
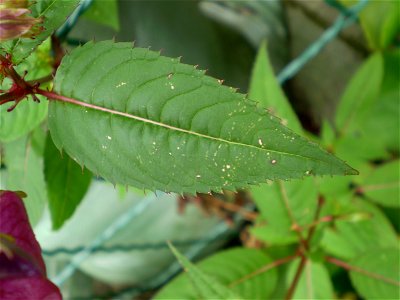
{"x":348,"y":267}
{"x":264,"y":269}
{"x":311,"y":231}
{"x":9,"y":71}
{"x":295,"y":226}
{"x":235,"y":208}
{"x":301,"y":250}
{"x":296,"y":278}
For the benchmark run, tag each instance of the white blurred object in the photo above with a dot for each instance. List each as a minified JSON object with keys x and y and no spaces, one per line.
{"x":158,"y":223}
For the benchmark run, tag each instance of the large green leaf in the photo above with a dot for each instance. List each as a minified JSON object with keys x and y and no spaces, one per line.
{"x":66,"y":184}
{"x":314,"y":282}
{"x":378,"y":274}
{"x":265,"y":88}
{"x":53,"y":13}
{"x":227,"y":267}
{"x":383,"y":184}
{"x":360,"y":96}
{"x":205,"y":286}
{"x":104,"y":12}
{"x":149,"y":121}
{"x":25,"y":173}
{"x":350,"y":237}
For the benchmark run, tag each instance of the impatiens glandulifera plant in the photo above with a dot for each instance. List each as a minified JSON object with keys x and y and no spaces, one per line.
{"x":134,"y":117}
{"x":22,"y":269}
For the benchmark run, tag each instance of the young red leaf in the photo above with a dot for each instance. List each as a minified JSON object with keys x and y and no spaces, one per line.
{"x":22,"y":271}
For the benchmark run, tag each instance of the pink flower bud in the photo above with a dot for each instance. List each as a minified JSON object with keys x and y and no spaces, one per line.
{"x":15,"y":21}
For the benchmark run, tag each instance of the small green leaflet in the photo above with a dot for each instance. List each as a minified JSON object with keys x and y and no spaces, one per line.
{"x":66,"y":184}
{"x":149,"y":121}
{"x":206,"y":286}
{"x":231,"y":268}
{"x":359,"y":97}
{"x":264,"y":88}
{"x":25,"y":173}
{"x":376,"y":274}
{"x":314,"y":282}
{"x":383,"y":184}
{"x":352,"y":238}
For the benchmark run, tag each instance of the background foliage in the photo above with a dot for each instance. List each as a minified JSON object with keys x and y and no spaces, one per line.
{"x":316,"y":237}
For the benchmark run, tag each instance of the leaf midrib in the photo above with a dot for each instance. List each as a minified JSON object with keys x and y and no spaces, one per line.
{"x":159,"y":124}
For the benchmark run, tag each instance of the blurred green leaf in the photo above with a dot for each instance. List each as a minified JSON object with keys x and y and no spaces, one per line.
{"x":382,"y":185}
{"x":334,"y":187}
{"x":227,"y":267}
{"x":265,"y":89}
{"x":348,"y":238}
{"x":23,"y":119}
{"x":314,"y":282}
{"x":327,"y":134}
{"x":54,"y":14}
{"x":66,"y":183}
{"x":273,"y":235}
{"x":104,"y":12}
{"x":281,"y":203}
{"x":359,"y":97}
{"x":25,"y":173}
{"x":204,"y":286}
{"x":384,"y":264}
{"x":380,"y":22}
{"x":383,"y":127}
{"x":358,"y":148}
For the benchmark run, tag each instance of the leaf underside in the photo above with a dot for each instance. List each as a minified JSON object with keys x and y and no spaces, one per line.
{"x":155,"y":123}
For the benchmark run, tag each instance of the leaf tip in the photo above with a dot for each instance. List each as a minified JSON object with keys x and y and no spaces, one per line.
{"x":351,"y":171}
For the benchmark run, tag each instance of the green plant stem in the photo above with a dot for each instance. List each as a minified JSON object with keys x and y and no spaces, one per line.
{"x":296,"y":278}
{"x":264,"y":269}
{"x":295,"y":226}
{"x":348,"y":267}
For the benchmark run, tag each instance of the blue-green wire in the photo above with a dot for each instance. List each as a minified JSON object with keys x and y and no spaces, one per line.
{"x":107,"y":234}
{"x":65,"y":29}
{"x":344,"y":20}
